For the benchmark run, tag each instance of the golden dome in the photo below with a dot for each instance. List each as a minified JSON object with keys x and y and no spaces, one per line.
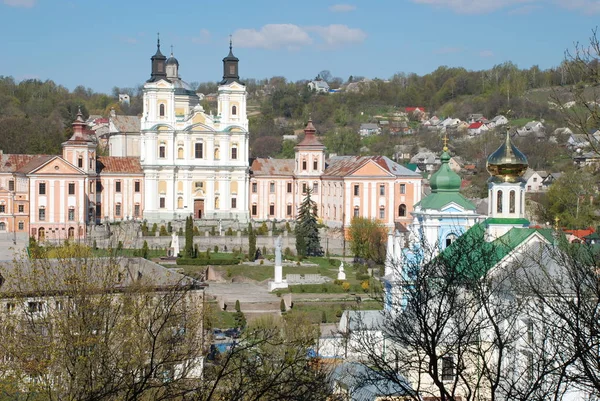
{"x":507,"y":163}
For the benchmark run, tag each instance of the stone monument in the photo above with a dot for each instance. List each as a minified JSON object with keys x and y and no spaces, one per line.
{"x":341,"y":272}
{"x":174,"y":245}
{"x":278,"y":281}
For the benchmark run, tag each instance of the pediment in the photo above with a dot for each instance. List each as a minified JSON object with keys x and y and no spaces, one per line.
{"x":57,"y":166}
{"x":370,"y":169}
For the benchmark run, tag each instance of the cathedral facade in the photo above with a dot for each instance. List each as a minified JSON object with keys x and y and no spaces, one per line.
{"x":193,"y":162}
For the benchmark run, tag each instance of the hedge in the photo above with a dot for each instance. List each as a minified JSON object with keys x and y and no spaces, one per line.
{"x":204,"y":261}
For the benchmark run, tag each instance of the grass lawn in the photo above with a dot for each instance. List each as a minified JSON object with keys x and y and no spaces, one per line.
{"x":330,"y":312}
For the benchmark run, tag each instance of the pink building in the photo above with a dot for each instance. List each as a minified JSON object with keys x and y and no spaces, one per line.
{"x":343,"y":186}
{"x":51,"y":197}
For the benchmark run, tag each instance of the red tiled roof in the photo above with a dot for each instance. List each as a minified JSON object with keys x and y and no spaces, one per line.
{"x":411,"y":109}
{"x":114,"y":164}
{"x":35,"y":163}
{"x":581,"y":233}
{"x":268,"y":167}
{"x":309,"y":137}
{"x":10,"y":163}
{"x":475,"y":125}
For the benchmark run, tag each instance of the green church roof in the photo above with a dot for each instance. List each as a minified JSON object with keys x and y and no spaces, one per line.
{"x":438,"y":200}
{"x":445,"y":180}
{"x":473,"y":256}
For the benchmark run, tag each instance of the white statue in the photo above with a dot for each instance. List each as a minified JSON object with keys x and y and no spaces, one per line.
{"x":341,"y":273}
{"x":175,"y":244}
{"x":278,"y":281}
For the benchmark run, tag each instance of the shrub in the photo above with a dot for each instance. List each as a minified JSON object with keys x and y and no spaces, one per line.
{"x":120,"y":246}
{"x":154,"y":229}
{"x":196,"y":231}
{"x":323,"y":317}
{"x":332,"y":262}
{"x":262,"y":261}
{"x":169,"y":227}
{"x":180,"y":232}
{"x":339,"y":313}
{"x":346,"y":286}
{"x":216,"y":249}
{"x":365,"y":285}
{"x":145,"y":250}
{"x":237,"y":306}
{"x":204,"y":261}
{"x":287,"y":252}
{"x":264,"y":251}
{"x":163,"y":231}
{"x":95,"y":245}
{"x":212,"y":230}
{"x":282,"y":305}
{"x":229,"y":232}
{"x":287,"y":227}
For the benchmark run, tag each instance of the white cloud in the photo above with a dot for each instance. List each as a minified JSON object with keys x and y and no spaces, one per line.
{"x":293,"y":37}
{"x":203,"y":37}
{"x":486,"y":53}
{"x":447,"y":50}
{"x":20,"y":3}
{"x":273,"y":36}
{"x":585,"y":6}
{"x":342,"y":8}
{"x":338,"y":35}
{"x":473,"y":6}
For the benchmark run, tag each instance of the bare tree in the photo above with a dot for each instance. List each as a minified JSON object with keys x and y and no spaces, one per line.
{"x":456,"y":328}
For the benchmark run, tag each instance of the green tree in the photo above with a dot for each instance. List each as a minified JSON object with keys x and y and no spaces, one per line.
{"x":251,"y":243}
{"x":189,"y":237}
{"x":308,"y":242}
{"x":572,"y":198}
{"x":145,"y":250}
{"x":367,"y":239}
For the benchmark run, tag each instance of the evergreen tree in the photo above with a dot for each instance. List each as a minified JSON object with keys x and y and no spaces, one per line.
{"x":145,"y":250}
{"x":189,"y":237}
{"x":251,"y":243}
{"x":308,"y":242}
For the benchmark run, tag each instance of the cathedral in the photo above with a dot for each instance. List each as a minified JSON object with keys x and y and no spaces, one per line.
{"x":193,"y":162}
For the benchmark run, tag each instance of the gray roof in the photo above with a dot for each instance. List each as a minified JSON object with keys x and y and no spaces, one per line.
{"x":366,"y":384}
{"x":125,"y":124}
{"x":369,"y":126}
{"x":362,"y":320}
{"x":121,"y":273}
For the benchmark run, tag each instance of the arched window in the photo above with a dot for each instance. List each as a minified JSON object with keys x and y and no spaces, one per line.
{"x":402,"y":210}
{"x":217,"y":154}
{"x":71,"y":233}
{"x":161,"y":110}
{"x":450,"y":238}
{"x":180,"y":153}
{"x":499,"y":202}
{"x":216,"y":202}
{"x":162,"y":151}
{"x":2,"y":226}
{"x":233,"y":110}
{"x":511,"y":202}
{"x":356,"y":211}
{"x":41,"y":234}
{"x":180,"y":203}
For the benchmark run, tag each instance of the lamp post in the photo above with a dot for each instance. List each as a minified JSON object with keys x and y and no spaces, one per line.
{"x":14,"y":220}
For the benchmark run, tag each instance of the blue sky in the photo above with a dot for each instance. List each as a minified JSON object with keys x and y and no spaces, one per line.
{"x":109,"y":43}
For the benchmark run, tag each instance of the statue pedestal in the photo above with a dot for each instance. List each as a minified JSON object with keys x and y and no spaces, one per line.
{"x":278,"y":282}
{"x":341,"y":276}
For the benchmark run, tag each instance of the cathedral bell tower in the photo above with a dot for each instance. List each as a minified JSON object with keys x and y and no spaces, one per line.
{"x":506,"y":195}
{"x":158,"y":65}
{"x":230,"y":68}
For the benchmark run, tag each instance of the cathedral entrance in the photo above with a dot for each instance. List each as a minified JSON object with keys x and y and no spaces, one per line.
{"x":198,"y":208}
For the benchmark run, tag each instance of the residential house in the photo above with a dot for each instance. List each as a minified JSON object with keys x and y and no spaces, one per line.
{"x":427,"y":161}
{"x":586,"y":159}
{"x":534,"y":180}
{"x":367,"y":129}
{"x":353,"y":381}
{"x":343,"y":187}
{"x":319,"y":86}
{"x":473,"y":118}
{"x":531,"y":127}
{"x":477,"y":128}
{"x":499,"y":121}
{"x":550,"y":178}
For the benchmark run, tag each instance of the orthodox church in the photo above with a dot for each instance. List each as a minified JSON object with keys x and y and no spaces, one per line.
{"x":445,"y":223}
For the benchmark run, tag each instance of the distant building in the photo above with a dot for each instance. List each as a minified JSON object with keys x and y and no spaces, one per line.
{"x":477,"y":128}
{"x":319,"y":86}
{"x":499,"y":121}
{"x":534,"y":180}
{"x":124,"y":98}
{"x":367,"y":129}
